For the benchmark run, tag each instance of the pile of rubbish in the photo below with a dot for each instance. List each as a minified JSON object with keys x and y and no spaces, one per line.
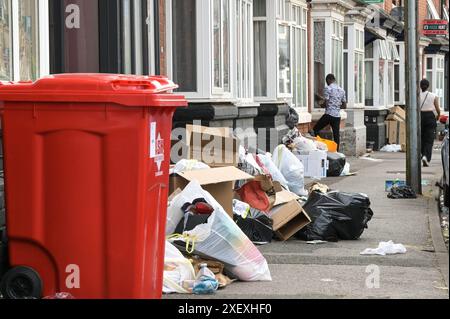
{"x":218,"y":213}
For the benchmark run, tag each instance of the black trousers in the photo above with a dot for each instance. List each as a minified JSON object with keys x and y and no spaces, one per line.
{"x":428,"y":133}
{"x":334,"y":122}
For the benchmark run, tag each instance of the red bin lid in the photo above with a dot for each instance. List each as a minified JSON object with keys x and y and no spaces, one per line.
{"x":127,"y":90}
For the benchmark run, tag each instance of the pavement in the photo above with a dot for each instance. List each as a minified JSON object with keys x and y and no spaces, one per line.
{"x":337,"y":270}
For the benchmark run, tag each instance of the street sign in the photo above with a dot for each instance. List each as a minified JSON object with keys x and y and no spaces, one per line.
{"x":435,"y":27}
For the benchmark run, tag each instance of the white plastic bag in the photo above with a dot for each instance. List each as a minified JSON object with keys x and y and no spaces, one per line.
{"x":183,"y":270}
{"x":304,"y":145}
{"x":346,"y":170}
{"x":273,"y":169}
{"x":240,"y":208}
{"x":391,"y":148}
{"x":189,"y":165}
{"x":385,"y":248}
{"x":221,"y":239}
{"x":291,"y":168}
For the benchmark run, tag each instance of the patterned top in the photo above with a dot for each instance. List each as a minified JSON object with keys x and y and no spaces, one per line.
{"x":335,"y":97}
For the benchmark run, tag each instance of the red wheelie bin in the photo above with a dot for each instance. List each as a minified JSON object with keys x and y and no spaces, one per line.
{"x":86,"y":179}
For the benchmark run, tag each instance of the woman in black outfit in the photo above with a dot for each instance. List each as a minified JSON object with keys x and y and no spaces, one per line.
{"x":430,"y":114}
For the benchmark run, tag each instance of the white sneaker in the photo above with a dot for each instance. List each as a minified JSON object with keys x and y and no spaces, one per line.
{"x":425,"y":162}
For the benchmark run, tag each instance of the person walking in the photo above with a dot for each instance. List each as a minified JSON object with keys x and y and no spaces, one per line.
{"x":430,"y":114}
{"x":334,"y":100}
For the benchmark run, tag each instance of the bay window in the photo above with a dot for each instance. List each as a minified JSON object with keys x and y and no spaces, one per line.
{"x":23,"y":39}
{"x":380,"y":58}
{"x":280,"y":35}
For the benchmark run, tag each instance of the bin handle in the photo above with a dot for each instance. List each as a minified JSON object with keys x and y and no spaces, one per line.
{"x":148,"y":84}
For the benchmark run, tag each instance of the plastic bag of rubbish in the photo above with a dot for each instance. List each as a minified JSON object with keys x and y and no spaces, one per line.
{"x":391,"y":148}
{"x":336,"y":164}
{"x":292,"y":118}
{"x":402,"y":192}
{"x":266,"y":159}
{"x":385,"y":248}
{"x":177,"y":270}
{"x":335,"y":216}
{"x":221,"y":239}
{"x":291,"y":168}
{"x":205,"y":282}
{"x":304,"y":145}
{"x":346,"y":170}
{"x":189,"y":165}
{"x":259,"y":230}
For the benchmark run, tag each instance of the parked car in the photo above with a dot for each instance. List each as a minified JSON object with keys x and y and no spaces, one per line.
{"x":445,"y":164}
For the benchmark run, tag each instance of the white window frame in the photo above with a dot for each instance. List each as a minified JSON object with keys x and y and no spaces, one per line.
{"x":244,"y":71}
{"x":355,"y":47}
{"x":379,"y":54}
{"x":220,"y":90}
{"x":337,"y":38}
{"x":42,"y":30}
{"x":438,"y":76}
{"x":300,"y":26}
{"x":203,"y":49}
{"x":269,"y":80}
{"x":273,"y":21}
{"x":432,"y":9}
{"x":328,"y":19}
{"x":401,"y":65}
{"x":204,"y":54}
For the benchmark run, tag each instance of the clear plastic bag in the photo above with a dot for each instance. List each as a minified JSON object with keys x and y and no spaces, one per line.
{"x":221,"y":239}
{"x":291,"y":168}
{"x":181,"y":270}
{"x":266,"y":159}
{"x":304,"y":145}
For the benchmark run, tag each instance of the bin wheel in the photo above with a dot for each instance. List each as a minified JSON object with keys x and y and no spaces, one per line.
{"x":21,"y":283}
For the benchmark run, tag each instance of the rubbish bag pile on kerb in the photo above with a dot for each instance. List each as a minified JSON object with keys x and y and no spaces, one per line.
{"x":225,"y":201}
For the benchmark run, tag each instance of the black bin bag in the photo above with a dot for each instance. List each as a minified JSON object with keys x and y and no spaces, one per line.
{"x":259,"y":230}
{"x":335,"y":216}
{"x":336,"y":164}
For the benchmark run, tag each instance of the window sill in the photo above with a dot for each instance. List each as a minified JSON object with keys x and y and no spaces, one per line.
{"x":318,"y":113}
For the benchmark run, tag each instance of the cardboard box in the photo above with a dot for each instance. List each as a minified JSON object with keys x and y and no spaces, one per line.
{"x":396,"y":114}
{"x":288,"y":219}
{"x":315,"y":164}
{"x":219,"y":182}
{"x":396,"y":132}
{"x":214,"y":146}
